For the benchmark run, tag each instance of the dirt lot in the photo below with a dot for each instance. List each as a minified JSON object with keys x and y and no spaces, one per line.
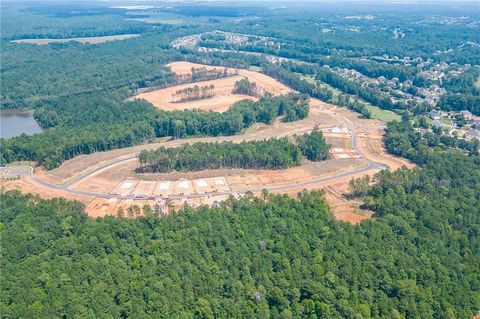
{"x":345,"y":210}
{"x":223,"y":99}
{"x":26,"y":185}
{"x":263,"y":81}
{"x":221,"y":102}
{"x":371,"y":144}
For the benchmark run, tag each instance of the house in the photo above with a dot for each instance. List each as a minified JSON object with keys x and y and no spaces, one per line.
{"x":467,"y":115}
{"x":434,"y":115}
{"x":473,"y":133}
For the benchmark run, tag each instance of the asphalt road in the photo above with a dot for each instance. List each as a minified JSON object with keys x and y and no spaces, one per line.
{"x":67,"y":186}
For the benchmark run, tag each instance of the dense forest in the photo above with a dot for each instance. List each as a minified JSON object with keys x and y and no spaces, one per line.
{"x":267,"y":154}
{"x":460,"y":102}
{"x":266,"y":256}
{"x":98,"y":127}
{"x":269,"y":257}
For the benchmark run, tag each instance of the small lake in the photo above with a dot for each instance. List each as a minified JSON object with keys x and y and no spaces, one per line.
{"x":17,"y":122}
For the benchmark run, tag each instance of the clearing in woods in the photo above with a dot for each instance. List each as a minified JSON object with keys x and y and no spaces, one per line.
{"x":223,"y":99}
{"x":106,"y":181}
{"x":220,"y":102}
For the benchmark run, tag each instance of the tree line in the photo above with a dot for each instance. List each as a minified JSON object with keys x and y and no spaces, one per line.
{"x":402,"y":140}
{"x":294,"y":81}
{"x":193,"y":93}
{"x":347,"y":86}
{"x":267,"y":154}
{"x":460,"y":102}
{"x":81,"y":132}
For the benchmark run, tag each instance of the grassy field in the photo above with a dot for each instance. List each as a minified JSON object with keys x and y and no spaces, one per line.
{"x":255,"y":68}
{"x":382,"y":115}
{"x":377,"y":113}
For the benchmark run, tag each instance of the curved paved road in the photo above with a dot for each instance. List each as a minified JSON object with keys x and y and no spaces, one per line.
{"x":350,"y":126}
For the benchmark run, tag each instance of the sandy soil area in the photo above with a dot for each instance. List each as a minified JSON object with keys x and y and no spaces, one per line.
{"x":221,"y":102}
{"x":263,"y":81}
{"x":223,"y":99}
{"x":27,"y":185}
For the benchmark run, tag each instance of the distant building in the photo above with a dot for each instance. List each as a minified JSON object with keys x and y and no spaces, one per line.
{"x":435,"y":115}
{"x":466,"y":115}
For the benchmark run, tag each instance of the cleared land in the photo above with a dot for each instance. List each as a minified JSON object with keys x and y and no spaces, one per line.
{"x":263,"y":81}
{"x":106,"y":181}
{"x":223,"y":99}
{"x":221,"y":102}
{"x":91,"y":40}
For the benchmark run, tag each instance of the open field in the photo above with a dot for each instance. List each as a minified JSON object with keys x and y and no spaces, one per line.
{"x":263,"y":81}
{"x":221,"y":102}
{"x":91,"y":40}
{"x":223,"y":99}
{"x":106,"y":181}
{"x":382,"y":115}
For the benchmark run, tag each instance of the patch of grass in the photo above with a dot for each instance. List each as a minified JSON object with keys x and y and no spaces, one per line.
{"x":382,"y":115}
{"x":477,"y":83}
{"x":255,"y":68}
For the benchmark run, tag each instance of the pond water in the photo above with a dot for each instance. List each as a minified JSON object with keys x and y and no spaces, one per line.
{"x":16,"y":122}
